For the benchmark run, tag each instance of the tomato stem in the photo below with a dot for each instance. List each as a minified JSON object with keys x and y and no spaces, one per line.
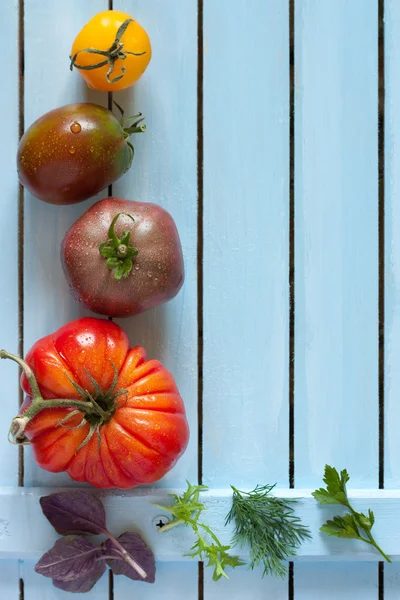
{"x":88,"y":406}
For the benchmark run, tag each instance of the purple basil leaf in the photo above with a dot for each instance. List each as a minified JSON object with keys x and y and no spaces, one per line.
{"x":74,"y":512}
{"x":85,"y":583}
{"x":71,"y":557}
{"x":135,"y":546}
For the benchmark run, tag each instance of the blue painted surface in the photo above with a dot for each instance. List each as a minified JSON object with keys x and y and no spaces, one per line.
{"x":246,"y":224}
{"x":246,"y":204}
{"x":9,"y":231}
{"x":336,"y":249}
{"x":336,"y":187}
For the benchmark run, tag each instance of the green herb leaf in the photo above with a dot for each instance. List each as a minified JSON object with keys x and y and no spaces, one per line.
{"x":335,"y":492}
{"x":342,"y":527}
{"x":348,"y":525}
{"x":186,"y":510}
{"x":268,"y":526}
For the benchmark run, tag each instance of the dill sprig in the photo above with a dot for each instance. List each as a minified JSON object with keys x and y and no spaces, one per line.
{"x":268,"y":526}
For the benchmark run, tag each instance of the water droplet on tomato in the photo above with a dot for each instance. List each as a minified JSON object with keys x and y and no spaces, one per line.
{"x":91,"y":148}
{"x":72,"y":150}
{"x":137,"y":267}
{"x":149,"y":274}
{"x":75,"y":127}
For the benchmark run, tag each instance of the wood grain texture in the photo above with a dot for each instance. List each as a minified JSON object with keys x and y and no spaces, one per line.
{"x":392,"y":247}
{"x":164,"y":172}
{"x":49,"y":84}
{"x":37,"y":587}
{"x":246,"y":201}
{"x":336,"y":171}
{"x":341,"y":581}
{"x":27,"y":534}
{"x":9,"y":228}
{"x":336,"y":267}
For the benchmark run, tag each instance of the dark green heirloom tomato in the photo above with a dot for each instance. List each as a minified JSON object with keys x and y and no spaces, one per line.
{"x":75,"y":151}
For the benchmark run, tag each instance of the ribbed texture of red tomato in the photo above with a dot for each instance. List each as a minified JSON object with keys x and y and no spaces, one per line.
{"x":148,"y":431}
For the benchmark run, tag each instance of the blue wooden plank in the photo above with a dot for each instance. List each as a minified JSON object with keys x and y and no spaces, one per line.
{"x":9,"y":227}
{"x":336,"y":379}
{"x":392,"y":244}
{"x":336,"y":249}
{"x":171,"y":579}
{"x":244,"y":583}
{"x":49,"y":84}
{"x":246,"y":166}
{"x":164,"y":172}
{"x":392,"y":582}
{"x":246,"y":200}
{"x":9,"y":579}
{"x":341,"y":581}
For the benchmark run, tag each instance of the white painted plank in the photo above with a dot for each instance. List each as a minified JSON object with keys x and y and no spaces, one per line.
{"x":336,"y":385}
{"x":9,"y":228}
{"x":340,"y":581}
{"x":49,"y":84}
{"x":38,"y":587}
{"x":246,"y":242}
{"x":392,"y":244}
{"x":164,"y":172}
{"x":28,"y":533}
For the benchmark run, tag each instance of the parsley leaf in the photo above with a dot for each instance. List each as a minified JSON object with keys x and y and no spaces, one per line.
{"x":349,"y":525}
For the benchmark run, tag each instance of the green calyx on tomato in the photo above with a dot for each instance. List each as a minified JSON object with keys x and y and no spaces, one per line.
{"x":98,"y":408}
{"x":117,"y":251}
{"x":137,"y":127}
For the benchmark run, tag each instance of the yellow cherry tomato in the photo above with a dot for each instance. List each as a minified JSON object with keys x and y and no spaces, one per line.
{"x":111,"y":52}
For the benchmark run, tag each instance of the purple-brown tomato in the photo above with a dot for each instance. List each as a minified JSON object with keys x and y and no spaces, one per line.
{"x":123,"y":257}
{"x":75,"y":151}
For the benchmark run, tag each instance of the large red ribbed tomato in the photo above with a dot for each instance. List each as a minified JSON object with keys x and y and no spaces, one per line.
{"x":125,"y":423}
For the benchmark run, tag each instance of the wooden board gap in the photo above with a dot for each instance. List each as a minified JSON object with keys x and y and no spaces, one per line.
{"x":200,"y":231}
{"x":291,"y":242}
{"x":381,"y":236}
{"x":20,"y":233}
